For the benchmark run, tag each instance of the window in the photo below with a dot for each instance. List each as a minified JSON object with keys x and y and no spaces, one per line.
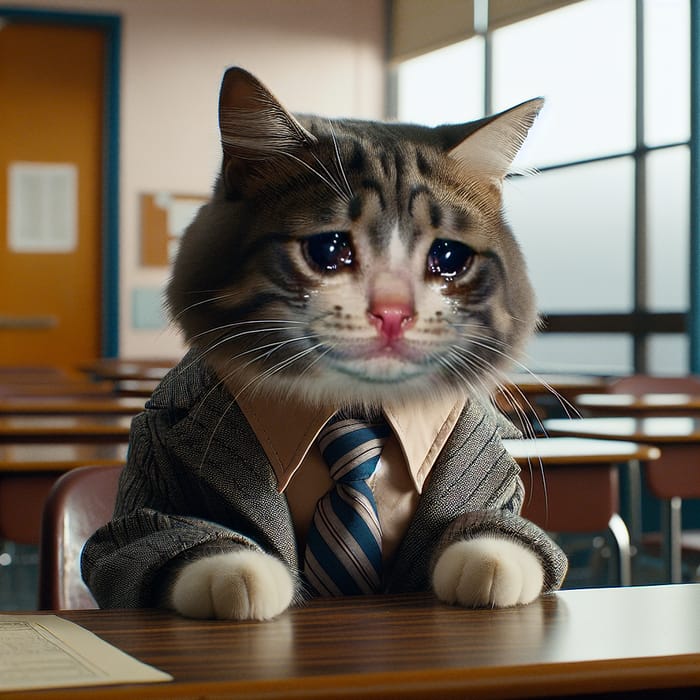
{"x":605,"y":222}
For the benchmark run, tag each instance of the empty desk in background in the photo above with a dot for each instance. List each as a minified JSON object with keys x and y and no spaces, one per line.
{"x":71,"y":405}
{"x":580,"y":492}
{"x":73,"y":429}
{"x":674,"y":476}
{"x":534,"y":396}
{"x":593,"y":641}
{"x":114,"y":369}
{"x":642,"y":405}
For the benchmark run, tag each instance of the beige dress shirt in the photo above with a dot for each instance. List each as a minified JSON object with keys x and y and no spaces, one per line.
{"x":288,"y":436}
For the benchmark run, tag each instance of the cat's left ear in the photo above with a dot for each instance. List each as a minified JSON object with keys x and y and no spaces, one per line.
{"x":255,"y":129}
{"x":490,"y":145}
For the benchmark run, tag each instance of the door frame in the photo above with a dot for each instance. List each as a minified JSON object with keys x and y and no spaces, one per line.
{"x":110,"y":25}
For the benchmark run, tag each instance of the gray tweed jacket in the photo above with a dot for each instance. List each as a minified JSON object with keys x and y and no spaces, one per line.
{"x":198,"y":482}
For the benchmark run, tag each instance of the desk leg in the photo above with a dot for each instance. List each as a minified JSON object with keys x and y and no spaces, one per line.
{"x":633,"y":507}
{"x":624,"y":557}
{"x":672,"y":531}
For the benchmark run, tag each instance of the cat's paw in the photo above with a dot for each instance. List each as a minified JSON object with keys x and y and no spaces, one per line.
{"x":487,"y":572}
{"x":241,"y":585}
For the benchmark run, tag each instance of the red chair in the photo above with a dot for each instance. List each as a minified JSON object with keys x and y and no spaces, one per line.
{"x":79,"y":502}
{"x":669,"y":480}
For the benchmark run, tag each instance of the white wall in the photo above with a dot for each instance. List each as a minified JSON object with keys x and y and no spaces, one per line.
{"x":324,"y":56}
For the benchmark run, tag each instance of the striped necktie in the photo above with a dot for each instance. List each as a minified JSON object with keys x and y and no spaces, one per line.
{"x":344,"y":543}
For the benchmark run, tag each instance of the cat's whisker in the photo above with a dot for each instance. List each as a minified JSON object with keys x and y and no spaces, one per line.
{"x":328,"y":180}
{"x":519,"y":411}
{"x":196,"y":304}
{"x":339,"y":162}
{"x":497,"y":374}
{"x":263,"y":376}
{"x":570,"y":410}
{"x":236,"y":324}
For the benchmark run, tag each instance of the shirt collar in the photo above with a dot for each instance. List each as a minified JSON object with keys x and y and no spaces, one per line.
{"x":287,"y":432}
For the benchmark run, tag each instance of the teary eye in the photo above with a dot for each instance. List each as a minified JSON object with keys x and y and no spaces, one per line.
{"x":329,"y":252}
{"x":449,"y":259}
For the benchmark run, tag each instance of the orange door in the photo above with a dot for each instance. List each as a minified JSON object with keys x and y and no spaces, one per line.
{"x":51,"y":116}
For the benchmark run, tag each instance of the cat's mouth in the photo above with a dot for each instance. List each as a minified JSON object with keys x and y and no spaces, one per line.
{"x":380,"y":362}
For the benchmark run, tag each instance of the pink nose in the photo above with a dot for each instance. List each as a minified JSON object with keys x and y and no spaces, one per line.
{"x":391,"y":319}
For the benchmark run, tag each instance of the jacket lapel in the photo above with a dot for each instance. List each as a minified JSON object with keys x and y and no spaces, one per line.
{"x":473,"y":472}
{"x":215,"y":443}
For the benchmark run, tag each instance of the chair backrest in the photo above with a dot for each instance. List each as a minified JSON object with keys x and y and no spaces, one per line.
{"x":80,"y":501}
{"x":649,"y":384}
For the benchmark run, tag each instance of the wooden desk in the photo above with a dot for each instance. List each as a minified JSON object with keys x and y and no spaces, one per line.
{"x":70,"y":405}
{"x":115,"y":369}
{"x":565,"y":384}
{"x":135,"y":387}
{"x":671,"y":478}
{"x":572,"y":486}
{"x":82,"y":388}
{"x":27,"y":473}
{"x":598,"y":641}
{"x":639,"y":405}
{"x":74,"y":429}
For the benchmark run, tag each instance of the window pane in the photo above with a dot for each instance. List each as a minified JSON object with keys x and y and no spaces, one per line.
{"x":668,"y":221}
{"x":666,"y":71}
{"x":668,"y":354}
{"x":581,"y":59}
{"x":588,"y":353}
{"x":575,"y":227}
{"x":444,"y":86}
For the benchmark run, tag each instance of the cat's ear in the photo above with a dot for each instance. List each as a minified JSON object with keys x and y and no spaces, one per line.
{"x":490,"y":145}
{"x":255,"y":128}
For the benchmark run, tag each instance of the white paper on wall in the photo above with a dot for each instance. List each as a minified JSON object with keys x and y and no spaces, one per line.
{"x":42,"y":211}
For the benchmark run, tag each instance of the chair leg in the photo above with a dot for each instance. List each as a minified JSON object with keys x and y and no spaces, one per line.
{"x":621,"y":535}
{"x":671,"y":523}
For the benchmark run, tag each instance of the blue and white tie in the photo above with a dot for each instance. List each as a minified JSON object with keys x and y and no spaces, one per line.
{"x":344,"y":543}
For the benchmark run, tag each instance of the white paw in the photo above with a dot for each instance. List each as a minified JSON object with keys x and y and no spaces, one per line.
{"x":241,"y":585}
{"x":487,"y":572}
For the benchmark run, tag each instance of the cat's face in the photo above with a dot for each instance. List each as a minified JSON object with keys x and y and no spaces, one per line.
{"x":353,"y":262}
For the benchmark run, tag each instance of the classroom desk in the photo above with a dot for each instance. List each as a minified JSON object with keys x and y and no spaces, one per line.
{"x":597,"y":641}
{"x":115,"y":369}
{"x":70,"y":405}
{"x":27,"y":473}
{"x":670,"y":478}
{"x":572,"y":486}
{"x":135,"y":387}
{"x":639,"y":405}
{"x":75,"y":429}
{"x":565,"y":384}
{"x":82,"y":388}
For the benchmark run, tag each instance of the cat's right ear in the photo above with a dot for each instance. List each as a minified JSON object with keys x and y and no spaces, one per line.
{"x":255,"y":129}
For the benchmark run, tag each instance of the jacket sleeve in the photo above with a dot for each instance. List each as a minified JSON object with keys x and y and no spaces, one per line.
{"x":505,"y":521}
{"x":155,"y":528}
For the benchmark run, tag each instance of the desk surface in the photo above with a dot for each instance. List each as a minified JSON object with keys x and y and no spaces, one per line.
{"x":70,"y":405}
{"x":575,"y":450}
{"x":29,"y":458}
{"x":120,"y":369}
{"x":578,"y":641}
{"x":642,"y":403}
{"x":661,"y":430}
{"x":64,"y":428}
{"x":550,"y":383}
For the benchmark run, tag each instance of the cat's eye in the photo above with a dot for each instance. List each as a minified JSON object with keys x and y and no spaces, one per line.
{"x":449,"y":259}
{"x":329,"y":252}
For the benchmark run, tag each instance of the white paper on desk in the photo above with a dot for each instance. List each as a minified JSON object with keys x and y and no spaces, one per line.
{"x":46,"y":651}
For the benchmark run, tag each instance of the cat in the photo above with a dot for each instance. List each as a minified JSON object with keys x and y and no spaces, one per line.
{"x":340,"y":264}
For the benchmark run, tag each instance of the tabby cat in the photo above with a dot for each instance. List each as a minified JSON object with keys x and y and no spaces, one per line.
{"x":340,"y":265}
